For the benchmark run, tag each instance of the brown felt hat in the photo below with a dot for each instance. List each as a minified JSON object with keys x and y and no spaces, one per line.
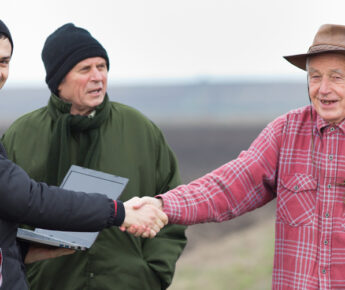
{"x":329,"y":38}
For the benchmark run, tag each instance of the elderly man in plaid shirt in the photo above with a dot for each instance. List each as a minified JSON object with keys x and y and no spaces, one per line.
{"x":299,"y":159}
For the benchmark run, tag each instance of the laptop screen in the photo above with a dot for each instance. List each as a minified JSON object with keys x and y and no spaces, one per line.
{"x":87,"y":180}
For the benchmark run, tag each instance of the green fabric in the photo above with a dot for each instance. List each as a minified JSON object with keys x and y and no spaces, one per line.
{"x":67,"y":126}
{"x":130,"y":146}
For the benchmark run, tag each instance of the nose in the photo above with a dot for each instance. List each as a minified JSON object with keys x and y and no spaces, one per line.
{"x":96,"y":75}
{"x":324,"y":86}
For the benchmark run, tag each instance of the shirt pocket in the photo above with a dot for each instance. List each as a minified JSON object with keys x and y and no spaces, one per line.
{"x":296,"y":199}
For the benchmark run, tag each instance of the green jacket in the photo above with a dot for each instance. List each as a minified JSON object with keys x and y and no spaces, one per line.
{"x":133,"y":147}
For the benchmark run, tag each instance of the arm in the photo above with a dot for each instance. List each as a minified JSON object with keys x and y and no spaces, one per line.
{"x":150,"y":216}
{"x":237,"y":187}
{"x":23,"y":200}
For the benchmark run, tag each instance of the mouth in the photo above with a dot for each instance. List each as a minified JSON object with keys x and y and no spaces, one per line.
{"x":95,"y":91}
{"x":328,"y":102}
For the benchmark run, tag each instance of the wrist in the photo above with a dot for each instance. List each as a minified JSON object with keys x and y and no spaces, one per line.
{"x":159,"y":202}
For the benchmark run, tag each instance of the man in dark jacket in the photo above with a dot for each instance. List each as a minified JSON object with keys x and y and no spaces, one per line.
{"x":23,"y":200}
{"x":81,"y":126}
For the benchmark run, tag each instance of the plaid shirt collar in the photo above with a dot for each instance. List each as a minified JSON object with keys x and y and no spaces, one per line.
{"x":321,"y":124}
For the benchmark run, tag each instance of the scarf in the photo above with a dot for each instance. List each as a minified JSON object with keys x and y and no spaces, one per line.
{"x":66,"y":126}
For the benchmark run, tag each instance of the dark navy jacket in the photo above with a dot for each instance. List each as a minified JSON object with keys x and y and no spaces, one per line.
{"x":24,"y":201}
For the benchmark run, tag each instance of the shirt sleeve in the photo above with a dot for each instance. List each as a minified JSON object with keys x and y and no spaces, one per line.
{"x":236,"y":187}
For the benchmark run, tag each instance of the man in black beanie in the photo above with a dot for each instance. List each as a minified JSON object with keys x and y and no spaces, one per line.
{"x":81,"y":126}
{"x":64,"y":48}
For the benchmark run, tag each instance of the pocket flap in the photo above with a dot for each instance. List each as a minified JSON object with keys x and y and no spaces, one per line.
{"x":299,"y":182}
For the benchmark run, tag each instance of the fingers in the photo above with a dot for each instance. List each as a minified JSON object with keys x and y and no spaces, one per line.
{"x":163,"y":217}
{"x":144,"y":217}
{"x":143,"y":232}
{"x":136,"y":202}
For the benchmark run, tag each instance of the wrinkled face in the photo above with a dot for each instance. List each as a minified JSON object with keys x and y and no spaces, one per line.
{"x":85,"y":85}
{"x":326,"y":79}
{"x":5,"y":57}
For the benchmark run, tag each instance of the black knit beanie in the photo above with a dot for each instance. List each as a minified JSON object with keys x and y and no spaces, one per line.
{"x":4,"y":30}
{"x":64,"y":48}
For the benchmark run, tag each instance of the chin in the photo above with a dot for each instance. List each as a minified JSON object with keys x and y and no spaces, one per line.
{"x":96,"y":103}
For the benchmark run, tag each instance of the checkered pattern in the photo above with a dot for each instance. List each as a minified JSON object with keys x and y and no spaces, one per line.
{"x":306,"y":178}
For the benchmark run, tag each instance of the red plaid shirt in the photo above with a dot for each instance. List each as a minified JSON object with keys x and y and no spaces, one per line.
{"x":308,"y":181}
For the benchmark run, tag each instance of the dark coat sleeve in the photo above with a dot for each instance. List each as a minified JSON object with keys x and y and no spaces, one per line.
{"x":22,"y":200}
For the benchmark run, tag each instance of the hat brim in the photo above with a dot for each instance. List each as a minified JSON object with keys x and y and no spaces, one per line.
{"x":300,"y":60}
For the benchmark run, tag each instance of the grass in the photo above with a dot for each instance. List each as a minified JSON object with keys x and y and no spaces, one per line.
{"x":241,"y":261}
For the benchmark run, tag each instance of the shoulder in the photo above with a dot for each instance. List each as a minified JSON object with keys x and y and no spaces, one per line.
{"x":295,"y":122}
{"x":28,"y":122}
{"x":134,"y":125}
{"x":32,"y":117}
{"x":132,"y":117}
{"x":291,"y":122}
{"x":297,"y":117}
{"x":300,"y":114}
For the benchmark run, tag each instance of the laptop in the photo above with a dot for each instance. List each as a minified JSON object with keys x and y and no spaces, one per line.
{"x":78,"y":179}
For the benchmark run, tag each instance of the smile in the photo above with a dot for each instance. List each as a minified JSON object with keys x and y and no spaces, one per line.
{"x":327,"y":102}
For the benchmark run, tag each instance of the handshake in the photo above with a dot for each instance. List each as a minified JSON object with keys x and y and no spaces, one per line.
{"x":144,"y":216}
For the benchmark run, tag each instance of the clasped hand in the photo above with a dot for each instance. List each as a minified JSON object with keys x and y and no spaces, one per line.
{"x":144,"y":217}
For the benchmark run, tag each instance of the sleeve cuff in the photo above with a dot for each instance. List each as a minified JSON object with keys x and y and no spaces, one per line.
{"x":119,"y":213}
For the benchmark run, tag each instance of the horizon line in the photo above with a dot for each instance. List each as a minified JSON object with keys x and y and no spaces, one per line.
{"x":177,"y":81}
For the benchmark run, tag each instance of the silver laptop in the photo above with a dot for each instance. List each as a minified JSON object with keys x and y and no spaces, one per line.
{"x":78,"y":179}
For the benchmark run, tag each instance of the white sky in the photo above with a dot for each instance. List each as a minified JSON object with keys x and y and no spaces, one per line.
{"x":174,"y":39}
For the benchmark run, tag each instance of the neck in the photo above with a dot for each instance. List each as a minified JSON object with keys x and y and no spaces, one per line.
{"x":81,"y":112}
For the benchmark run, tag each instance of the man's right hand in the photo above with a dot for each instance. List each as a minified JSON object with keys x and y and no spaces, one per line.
{"x":144,"y":217}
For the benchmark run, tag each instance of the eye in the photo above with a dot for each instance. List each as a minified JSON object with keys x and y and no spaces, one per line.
{"x":102,"y":66}
{"x":4,"y":61}
{"x":314,"y":77}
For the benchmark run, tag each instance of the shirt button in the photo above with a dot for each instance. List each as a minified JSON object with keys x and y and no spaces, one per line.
{"x":330,"y":157}
{"x":326,"y":214}
{"x":329,"y":185}
{"x":332,"y":129}
{"x":323,"y":271}
{"x":295,"y":187}
{"x":92,"y":275}
{"x":325,"y":242}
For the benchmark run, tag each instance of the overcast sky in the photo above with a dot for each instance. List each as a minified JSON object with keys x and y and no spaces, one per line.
{"x":174,"y":39}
